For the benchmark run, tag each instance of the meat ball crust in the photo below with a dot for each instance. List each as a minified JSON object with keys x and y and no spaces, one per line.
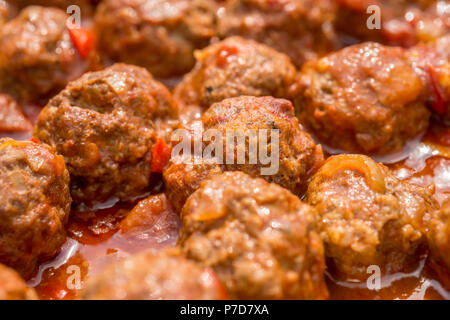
{"x":12,"y":286}
{"x":158,"y":35}
{"x":154,"y":276}
{"x":259,"y":238}
{"x":368,"y":217}
{"x":35,"y":204}
{"x":439,"y":241}
{"x":236,"y":67}
{"x":300,"y":28}
{"x":298,"y":155}
{"x":181,"y":179}
{"x":38,"y":57}
{"x":104,"y":124}
{"x":365,"y":99}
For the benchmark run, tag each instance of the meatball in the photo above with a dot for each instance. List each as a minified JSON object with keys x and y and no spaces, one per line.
{"x":38,"y":57}
{"x":368,"y":217}
{"x":402,"y":22}
{"x":158,"y":35}
{"x":12,"y":286}
{"x":236,"y":67}
{"x":257,"y":121}
{"x":363,"y":99}
{"x":258,"y":237}
{"x":154,"y":276}
{"x":34,"y":206}
{"x":300,"y":28}
{"x":104,"y":124}
{"x":432,"y":63}
{"x":439,"y":241}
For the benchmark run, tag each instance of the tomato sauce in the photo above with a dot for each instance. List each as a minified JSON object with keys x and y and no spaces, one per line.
{"x":95,"y":238}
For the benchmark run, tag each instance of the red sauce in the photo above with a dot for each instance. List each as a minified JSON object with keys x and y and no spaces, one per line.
{"x":95,"y":239}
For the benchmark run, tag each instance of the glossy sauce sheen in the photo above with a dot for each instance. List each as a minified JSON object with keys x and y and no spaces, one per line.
{"x":95,"y":242}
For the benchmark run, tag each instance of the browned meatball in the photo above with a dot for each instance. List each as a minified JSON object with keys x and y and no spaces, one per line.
{"x":300,"y":28}
{"x":432,"y":63}
{"x":12,"y":286}
{"x":402,"y":22}
{"x":439,"y":241}
{"x":151,"y":276}
{"x":158,"y":35}
{"x":104,"y":124}
{"x":182,"y":179}
{"x":258,"y":237}
{"x":236,"y":67}
{"x":38,"y":57}
{"x":367,"y":216}
{"x":34,"y":206}
{"x":363,"y":99}
{"x":292,"y":159}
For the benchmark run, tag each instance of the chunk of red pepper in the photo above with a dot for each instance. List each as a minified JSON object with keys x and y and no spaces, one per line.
{"x":83,"y":39}
{"x":161,"y":153}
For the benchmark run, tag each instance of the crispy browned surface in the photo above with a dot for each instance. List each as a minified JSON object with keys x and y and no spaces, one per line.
{"x":403,"y":22}
{"x":298,"y":154}
{"x":235,"y":67}
{"x":148,"y":276}
{"x":37,"y":58}
{"x":258,"y":237}
{"x":12,"y":286}
{"x":300,"y":28}
{"x":182,"y":179}
{"x":439,"y":239}
{"x":368,"y":217}
{"x":158,"y":35}
{"x":104,"y":124}
{"x":366,"y":99}
{"x":34,"y":206}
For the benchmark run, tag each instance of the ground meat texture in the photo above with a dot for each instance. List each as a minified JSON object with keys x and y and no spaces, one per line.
{"x":182,"y":179}
{"x":368,"y":217}
{"x":402,"y":22}
{"x":236,"y":67}
{"x":12,"y":286}
{"x":298,"y":156}
{"x":363,"y":99}
{"x":35,"y":204}
{"x":258,"y":237}
{"x":149,"y":276}
{"x":300,"y":28}
{"x":431,"y":63}
{"x":104,"y":124}
{"x":158,"y":35}
{"x":439,"y":241}
{"x":37,"y":57}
